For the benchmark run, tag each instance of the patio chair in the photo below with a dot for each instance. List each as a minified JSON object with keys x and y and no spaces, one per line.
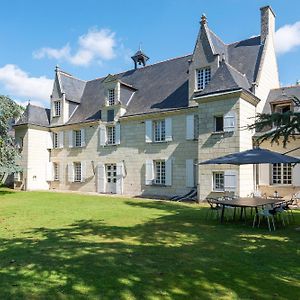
{"x":214,"y":208}
{"x":296,"y":199}
{"x":267,"y":213}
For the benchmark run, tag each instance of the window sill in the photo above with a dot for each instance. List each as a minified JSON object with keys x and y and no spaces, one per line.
{"x":56,"y":116}
{"x":158,"y":185}
{"x":218,"y":132}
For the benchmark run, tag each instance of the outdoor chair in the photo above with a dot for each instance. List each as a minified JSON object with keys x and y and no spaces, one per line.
{"x":286,"y":207}
{"x":296,"y":199}
{"x":214,"y":208}
{"x":268,"y":213}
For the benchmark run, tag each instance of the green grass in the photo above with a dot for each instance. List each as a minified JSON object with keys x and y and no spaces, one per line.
{"x":69,"y":246}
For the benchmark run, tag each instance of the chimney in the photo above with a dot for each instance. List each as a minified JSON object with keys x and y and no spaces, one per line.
{"x":267,"y":17}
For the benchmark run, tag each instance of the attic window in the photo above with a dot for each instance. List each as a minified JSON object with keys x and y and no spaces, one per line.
{"x":202,"y":78}
{"x":111,"y":97}
{"x":282,"y":108}
{"x":57,"y":108}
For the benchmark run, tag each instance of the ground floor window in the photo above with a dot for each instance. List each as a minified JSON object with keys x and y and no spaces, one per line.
{"x":281,"y":174}
{"x":160,"y":172}
{"x":218,"y":181}
{"x":77,"y":172}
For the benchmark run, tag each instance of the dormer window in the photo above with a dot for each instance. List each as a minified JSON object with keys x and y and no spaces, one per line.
{"x":57,"y":108}
{"x":202,"y":78}
{"x":283,"y":108}
{"x":111,"y":97}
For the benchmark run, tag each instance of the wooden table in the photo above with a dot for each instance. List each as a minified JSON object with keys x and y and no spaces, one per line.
{"x":244,"y":202}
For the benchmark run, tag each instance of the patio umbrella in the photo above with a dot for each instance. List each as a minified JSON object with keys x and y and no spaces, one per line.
{"x":253,"y":156}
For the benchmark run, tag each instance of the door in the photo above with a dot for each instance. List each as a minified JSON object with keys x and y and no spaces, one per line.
{"x":111,"y":178}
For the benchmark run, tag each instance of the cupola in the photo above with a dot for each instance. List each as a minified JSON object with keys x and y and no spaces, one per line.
{"x":139,"y":58}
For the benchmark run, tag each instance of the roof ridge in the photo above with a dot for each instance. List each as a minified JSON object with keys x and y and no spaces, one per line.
{"x":287,"y":87}
{"x":70,"y":75}
{"x":252,"y":37}
{"x":147,"y":66}
{"x":234,"y":69}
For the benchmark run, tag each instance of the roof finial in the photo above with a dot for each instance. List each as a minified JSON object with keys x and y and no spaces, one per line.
{"x":140,"y":46}
{"x":203,"y":19}
{"x":57,"y":69}
{"x":28,"y":102}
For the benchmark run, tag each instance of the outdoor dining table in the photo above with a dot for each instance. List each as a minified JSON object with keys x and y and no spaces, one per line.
{"x":244,"y":202}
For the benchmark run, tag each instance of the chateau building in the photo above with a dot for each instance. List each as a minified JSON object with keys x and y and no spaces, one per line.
{"x":143,"y":131}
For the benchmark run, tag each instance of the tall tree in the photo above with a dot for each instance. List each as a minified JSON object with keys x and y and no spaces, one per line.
{"x":277,"y":127}
{"x":9,"y":111}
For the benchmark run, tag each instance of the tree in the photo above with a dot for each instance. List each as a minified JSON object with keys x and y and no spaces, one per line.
{"x":9,"y":111}
{"x":277,"y":127}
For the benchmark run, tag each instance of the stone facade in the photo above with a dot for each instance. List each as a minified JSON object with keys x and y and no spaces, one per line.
{"x":149,"y":139}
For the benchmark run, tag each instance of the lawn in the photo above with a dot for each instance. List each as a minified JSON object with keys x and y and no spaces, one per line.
{"x":70,"y":246}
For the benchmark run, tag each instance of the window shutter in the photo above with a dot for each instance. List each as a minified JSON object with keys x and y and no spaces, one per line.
{"x":70,"y":135}
{"x":190,"y":127}
{"x":229,"y":121}
{"x":70,"y":172}
{"x":49,"y":170}
{"x":118,"y":134}
{"x":61,"y":139}
{"x":101,"y":178}
{"x":230,"y":180}
{"x":82,"y":131}
{"x":61,"y":173}
{"x":120,"y":175}
{"x":296,"y":175}
{"x":169,"y":172}
{"x":49,"y":140}
{"x":149,"y":172}
{"x":148,"y":136}
{"x":83,"y":171}
{"x":102,"y":135}
{"x":264,"y":174}
{"x":190,"y":180}
{"x":168,"y":123}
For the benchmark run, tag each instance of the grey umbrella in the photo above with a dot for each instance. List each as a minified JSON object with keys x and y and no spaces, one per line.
{"x":252,"y":156}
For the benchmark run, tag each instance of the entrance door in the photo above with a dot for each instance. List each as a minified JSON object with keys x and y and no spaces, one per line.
{"x":111,"y":178}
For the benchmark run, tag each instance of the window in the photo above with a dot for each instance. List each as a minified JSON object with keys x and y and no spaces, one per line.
{"x":282,"y":174}
{"x":55,"y":140}
{"x":55,"y":171}
{"x":160,"y":172}
{"x":159,"y":128}
{"x":77,"y":137}
{"x":282,"y":108}
{"x":111,"y":97}
{"x":202,"y":78}
{"x":57,"y":108}
{"x":77,"y":172}
{"x":111,"y":135}
{"x":218,"y":181}
{"x":219,"y":124}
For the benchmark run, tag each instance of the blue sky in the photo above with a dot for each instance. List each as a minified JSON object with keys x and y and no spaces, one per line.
{"x":91,"y":38}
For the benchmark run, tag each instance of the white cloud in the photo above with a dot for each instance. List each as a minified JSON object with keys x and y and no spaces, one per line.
{"x":287,"y":38}
{"x":94,"y":45}
{"x":20,"y":84}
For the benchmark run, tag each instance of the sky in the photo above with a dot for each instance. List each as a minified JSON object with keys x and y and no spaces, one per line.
{"x":93,"y":38}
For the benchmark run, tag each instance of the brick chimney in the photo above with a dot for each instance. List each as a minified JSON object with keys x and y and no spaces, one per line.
{"x":267,"y":23}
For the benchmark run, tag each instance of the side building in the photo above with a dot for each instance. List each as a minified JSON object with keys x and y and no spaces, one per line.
{"x":143,"y":131}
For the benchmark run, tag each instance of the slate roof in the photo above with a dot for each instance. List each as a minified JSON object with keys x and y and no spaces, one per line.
{"x":281,"y":94}
{"x":164,"y":86}
{"x":35,"y":115}
{"x":72,"y":87}
{"x":161,"y":86}
{"x":226,"y":78}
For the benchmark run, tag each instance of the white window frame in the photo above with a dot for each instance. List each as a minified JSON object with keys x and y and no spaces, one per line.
{"x":203,"y":77}
{"x":77,"y":138}
{"x":219,"y":181}
{"x":282,"y":174}
{"x":57,"y":108}
{"x":159,"y":172}
{"x":111,"y":135}
{"x":159,"y":130}
{"x":77,"y":172}
{"x":111,"y":97}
